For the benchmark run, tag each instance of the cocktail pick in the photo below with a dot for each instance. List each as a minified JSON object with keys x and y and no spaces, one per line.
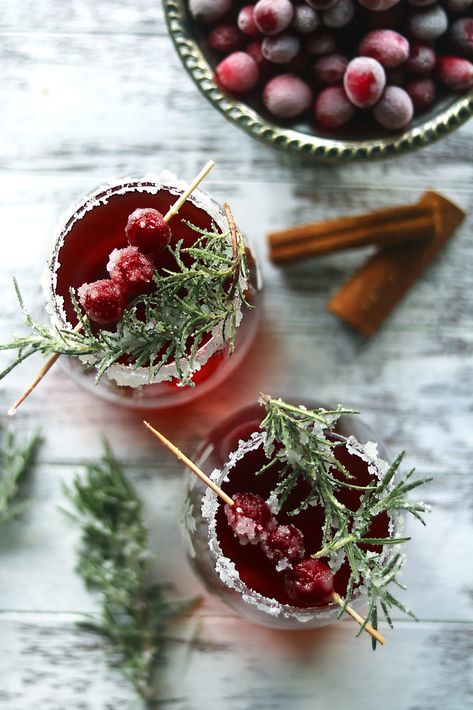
{"x":229,"y":501}
{"x":173,"y":210}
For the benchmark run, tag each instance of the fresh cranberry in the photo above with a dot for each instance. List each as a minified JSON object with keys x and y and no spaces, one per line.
{"x":250,"y":517}
{"x":309,"y":582}
{"x":273,"y":16}
{"x":330,"y":69}
{"x":281,"y":49}
{"x":394,"y":110}
{"x":225,"y":38}
{"x":389,"y":48}
{"x":422,"y":92}
{"x":421,"y":59}
{"x":147,"y":230}
{"x":332,"y":108}
{"x":364,"y":81}
{"x":287,"y":96}
{"x":209,"y":10}
{"x":103,"y":301}
{"x":238,"y":72}
{"x":286,"y":542}
{"x":130,"y":269}
{"x":456,"y":73}
{"x":246,"y":21}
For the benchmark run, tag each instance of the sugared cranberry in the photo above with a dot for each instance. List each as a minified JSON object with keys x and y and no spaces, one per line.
{"x":330,"y":69}
{"x":332,"y":108}
{"x":130,"y":269}
{"x":287,"y":96}
{"x":103,"y":301}
{"x":394,"y":110}
{"x":246,"y":21}
{"x":284,"y":543}
{"x":364,"y":81}
{"x":422,"y":92}
{"x":309,"y":582}
{"x":320,"y":42}
{"x":321,"y":4}
{"x":378,"y":5}
{"x":147,"y":230}
{"x":250,"y":518}
{"x":389,"y":48}
{"x":280,"y":49}
{"x":209,"y":10}
{"x":428,"y":24}
{"x":273,"y":16}
{"x":461,"y":35}
{"x":421,"y":59}
{"x":238,"y":72}
{"x":340,"y":14}
{"x":305,"y":19}
{"x":456,"y":73}
{"x":225,"y":38}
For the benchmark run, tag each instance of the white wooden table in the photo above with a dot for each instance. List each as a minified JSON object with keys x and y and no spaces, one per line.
{"x":91,"y":90}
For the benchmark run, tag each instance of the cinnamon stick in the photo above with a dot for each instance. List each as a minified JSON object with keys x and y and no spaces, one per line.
{"x":374,"y":290}
{"x":385,"y":227}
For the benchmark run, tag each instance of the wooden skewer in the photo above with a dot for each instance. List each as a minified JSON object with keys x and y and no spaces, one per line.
{"x":173,"y":210}
{"x":190,"y":464}
{"x":354,"y":615}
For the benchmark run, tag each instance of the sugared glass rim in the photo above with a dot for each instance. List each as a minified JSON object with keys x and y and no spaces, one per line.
{"x":127,"y":375}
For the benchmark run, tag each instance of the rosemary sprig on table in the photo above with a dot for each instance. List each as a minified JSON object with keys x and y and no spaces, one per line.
{"x":303,"y":444}
{"x":114,"y":559}
{"x":15,"y":462}
{"x":190,"y":301}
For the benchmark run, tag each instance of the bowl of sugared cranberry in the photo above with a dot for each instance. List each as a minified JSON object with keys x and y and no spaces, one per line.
{"x":332,"y":79}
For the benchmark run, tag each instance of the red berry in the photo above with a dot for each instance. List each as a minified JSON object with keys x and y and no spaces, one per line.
{"x":330,"y":69}
{"x":281,"y":49}
{"x":364,"y":81}
{"x":428,"y":24}
{"x":332,"y":108}
{"x":321,"y":42}
{"x":250,"y":517}
{"x":394,"y":110}
{"x":147,"y":230}
{"x":422,"y":92}
{"x":238,"y":72}
{"x":461,"y":35}
{"x":209,"y":10}
{"x":130,"y":269}
{"x":305,"y":19}
{"x":455,"y":73}
{"x":225,"y":38}
{"x":273,"y":16}
{"x":421,"y":59}
{"x":246,"y":21}
{"x":387,"y":47}
{"x":378,"y":5}
{"x":340,"y":14}
{"x":103,"y":301}
{"x":284,"y":543}
{"x":287,"y":96}
{"x":309,"y":582}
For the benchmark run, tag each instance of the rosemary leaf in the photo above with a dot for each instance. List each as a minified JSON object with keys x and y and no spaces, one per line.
{"x":15,"y":462}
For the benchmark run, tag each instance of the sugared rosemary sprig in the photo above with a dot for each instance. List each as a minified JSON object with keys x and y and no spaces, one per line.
{"x":302,"y":442}
{"x":114,"y":560}
{"x":170,"y":324}
{"x":15,"y":461}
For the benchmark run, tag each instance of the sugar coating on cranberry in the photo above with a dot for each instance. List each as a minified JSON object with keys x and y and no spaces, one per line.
{"x":428,"y":24}
{"x":103,"y":301}
{"x":461,"y":35}
{"x":332,"y":109}
{"x":389,"y":48}
{"x":238,"y":72}
{"x":280,"y":49}
{"x":130,"y":269}
{"x":305,"y":19}
{"x":330,"y":68}
{"x":321,"y":4}
{"x":250,"y":518}
{"x":320,"y":42}
{"x":225,"y":38}
{"x":209,"y":10}
{"x":394,"y":110}
{"x":422,"y":91}
{"x":364,"y":81}
{"x":340,"y":14}
{"x":284,"y":545}
{"x":455,"y":72}
{"x":147,"y":230}
{"x":246,"y":21}
{"x":421,"y":59}
{"x":273,"y":16}
{"x":287,"y":96}
{"x":378,"y":5}
{"x":309,"y":582}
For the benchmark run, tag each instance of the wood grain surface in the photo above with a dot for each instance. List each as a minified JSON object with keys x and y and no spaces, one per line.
{"x":93,"y":90}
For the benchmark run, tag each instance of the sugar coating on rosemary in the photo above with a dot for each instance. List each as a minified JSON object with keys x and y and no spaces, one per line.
{"x":16,"y":459}
{"x":302,"y":442}
{"x":195,"y":306}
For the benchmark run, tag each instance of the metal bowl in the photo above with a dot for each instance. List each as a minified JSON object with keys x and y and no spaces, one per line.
{"x":446,"y":115}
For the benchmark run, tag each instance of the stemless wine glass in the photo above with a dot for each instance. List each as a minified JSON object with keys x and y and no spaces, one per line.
{"x":236,"y":446}
{"x":86,"y":235}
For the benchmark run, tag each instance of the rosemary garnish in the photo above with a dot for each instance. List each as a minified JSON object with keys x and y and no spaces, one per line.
{"x":15,"y":461}
{"x":303,"y":443}
{"x":114,"y":559}
{"x":198,"y":297}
